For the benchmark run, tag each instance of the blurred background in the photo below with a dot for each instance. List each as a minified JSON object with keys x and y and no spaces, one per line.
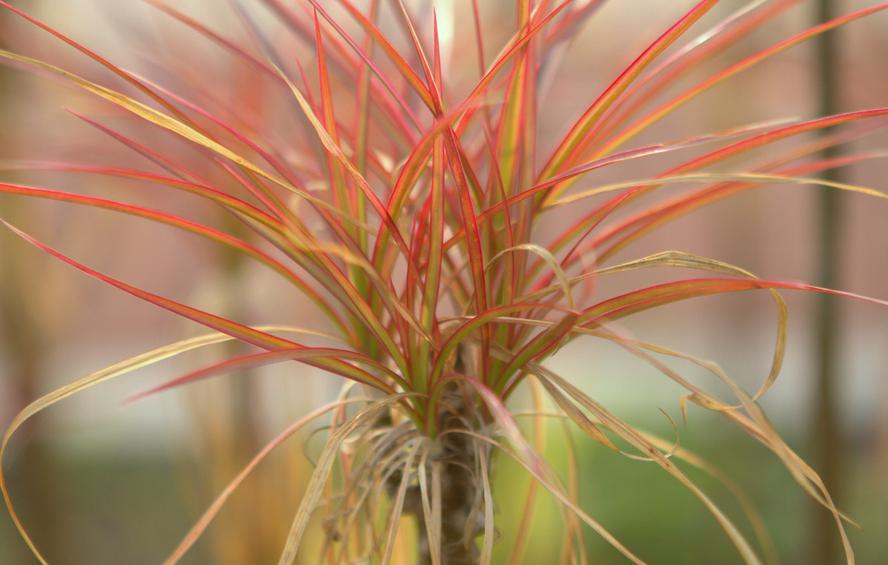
{"x":100,"y":482}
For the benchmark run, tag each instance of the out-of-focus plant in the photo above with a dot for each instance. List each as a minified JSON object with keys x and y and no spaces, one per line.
{"x":24,"y":332}
{"x":408,"y":209}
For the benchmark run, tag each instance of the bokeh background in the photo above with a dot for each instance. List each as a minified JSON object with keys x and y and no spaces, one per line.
{"x":100,"y":482}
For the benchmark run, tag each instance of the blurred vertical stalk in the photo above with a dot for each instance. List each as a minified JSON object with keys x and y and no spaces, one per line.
{"x":825,"y":427}
{"x":24,"y":345}
{"x":243,"y":434}
{"x":227,"y":421}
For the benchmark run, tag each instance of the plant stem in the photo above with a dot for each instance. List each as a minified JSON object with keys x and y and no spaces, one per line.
{"x":461,"y":494}
{"x":825,"y":426}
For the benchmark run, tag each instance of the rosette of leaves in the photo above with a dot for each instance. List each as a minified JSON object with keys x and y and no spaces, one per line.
{"x":407,"y":211}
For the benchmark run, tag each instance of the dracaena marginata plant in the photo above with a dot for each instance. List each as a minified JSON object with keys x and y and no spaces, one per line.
{"x":407,"y":210}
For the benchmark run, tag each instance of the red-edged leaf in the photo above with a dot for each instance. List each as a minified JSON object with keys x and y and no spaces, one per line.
{"x":703,"y":48}
{"x":128,"y":77}
{"x":659,"y":295}
{"x":669,"y":106}
{"x":329,"y":359}
{"x":572,"y":140}
{"x":241,"y":332}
